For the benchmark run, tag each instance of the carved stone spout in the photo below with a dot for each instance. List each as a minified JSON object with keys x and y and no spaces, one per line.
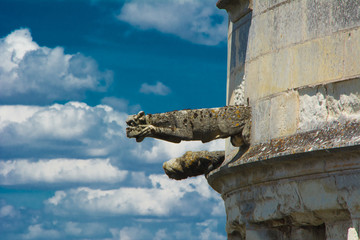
{"x":193,"y":164}
{"x":199,"y":124}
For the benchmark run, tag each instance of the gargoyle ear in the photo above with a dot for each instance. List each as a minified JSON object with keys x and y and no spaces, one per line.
{"x":141,"y":113}
{"x":130,"y":121}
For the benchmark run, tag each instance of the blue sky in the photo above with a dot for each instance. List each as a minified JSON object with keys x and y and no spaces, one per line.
{"x":70,"y":73}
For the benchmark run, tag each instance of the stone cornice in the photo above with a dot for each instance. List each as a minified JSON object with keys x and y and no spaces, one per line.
{"x":331,"y":140}
{"x":235,"y":8}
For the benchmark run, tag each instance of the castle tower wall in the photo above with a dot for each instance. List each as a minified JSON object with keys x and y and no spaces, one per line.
{"x":295,"y":62}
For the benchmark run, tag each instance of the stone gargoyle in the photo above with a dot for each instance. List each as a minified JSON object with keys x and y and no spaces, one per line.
{"x":193,"y":164}
{"x":189,"y":125}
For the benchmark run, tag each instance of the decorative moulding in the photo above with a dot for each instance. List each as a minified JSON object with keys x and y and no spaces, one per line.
{"x":235,"y":8}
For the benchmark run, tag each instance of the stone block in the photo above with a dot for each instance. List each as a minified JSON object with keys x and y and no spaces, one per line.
{"x":252,"y":80}
{"x":305,"y":63}
{"x":266,"y":76}
{"x":331,"y":58}
{"x":349,"y":185}
{"x":284,"y":113}
{"x":337,"y":101}
{"x":313,"y":108}
{"x":288,"y":25}
{"x":274,"y":3}
{"x":261,"y":233}
{"x":318,"y":18}
{"x":352,"y":53}
{"x":274,"y":73}
{"x":260,"y":6}
{"x":345,"y":14}
{"x":281,"y":71}
{"x":318,"y":61}
{"x":259,"y":77}
{"x":347,"y":94}
{"x":308,"y":233}
{"x":337,"y":230}
{"x":319,"y":194}
{"x":261,"y":35}
{"x":260,"y":131}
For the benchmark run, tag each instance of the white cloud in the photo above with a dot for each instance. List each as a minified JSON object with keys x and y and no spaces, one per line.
{"x":158,"y":89}
{"x":74,"y":129}
{"x":208,"y":234}
{"x":130,"y":233}
{"x":120,"y":104}
{"x":138,"y":178}
{"x":197,"y":21}
{"x":27,"y":69}
{"x":7,"y":211}
{"x":219,"y":209}
{"x":37,"y":231}
{"x":59,"y":171}
{"x":206,"y":230}
{"x":164,"y":198}
{"x":157,"y":151}
{"x":84,"y":229}
{"x":161,"y":235}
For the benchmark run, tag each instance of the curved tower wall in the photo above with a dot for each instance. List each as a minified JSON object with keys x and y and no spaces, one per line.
{"x":296,"y":63}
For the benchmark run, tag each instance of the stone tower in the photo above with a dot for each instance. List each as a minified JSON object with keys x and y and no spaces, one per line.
{"x":296,"y":63}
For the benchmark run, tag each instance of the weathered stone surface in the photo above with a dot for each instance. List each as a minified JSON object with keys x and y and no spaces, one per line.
{"x":284,"y":111}
{"x":322,"y":105}
{"x":298,"y":190}
{"x":300,"y":177}
{"x":193,"y":164}
{"x":261,"y":124}
{"x":331,"y":136}
{"x":189,"y":125}
{"x":338,"y":230}
{"x":297,"y":43}
{"x":352,"y":53}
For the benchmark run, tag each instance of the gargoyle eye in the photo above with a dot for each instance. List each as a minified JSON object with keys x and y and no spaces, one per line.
{"x":130,"y":122}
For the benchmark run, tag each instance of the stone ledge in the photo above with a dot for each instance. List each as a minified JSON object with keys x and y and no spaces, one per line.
{"x":343,"y":139}
{"x":334,"y":136}
{"x":312,"y":187}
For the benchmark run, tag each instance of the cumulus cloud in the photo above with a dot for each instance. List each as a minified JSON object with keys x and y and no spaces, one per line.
{"x":197,"y":21}
{"x":121,"y":104}
{"x":164,"y":198}
{"x":158,"y":89}
{"x":157,"y":151}
{"x":84,"y":229}
{"x":207,"y":232}
{"x":37,"y":231}
{"x":131,"y":233}
{"x":27,"y":69}
{"x":72,"y":130}
{"x":7,"y":211}
{"x":59,"y":171}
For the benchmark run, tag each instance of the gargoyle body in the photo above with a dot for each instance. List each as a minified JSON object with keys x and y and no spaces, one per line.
{"x":198,"y":124}
{"x":193,"y":164}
